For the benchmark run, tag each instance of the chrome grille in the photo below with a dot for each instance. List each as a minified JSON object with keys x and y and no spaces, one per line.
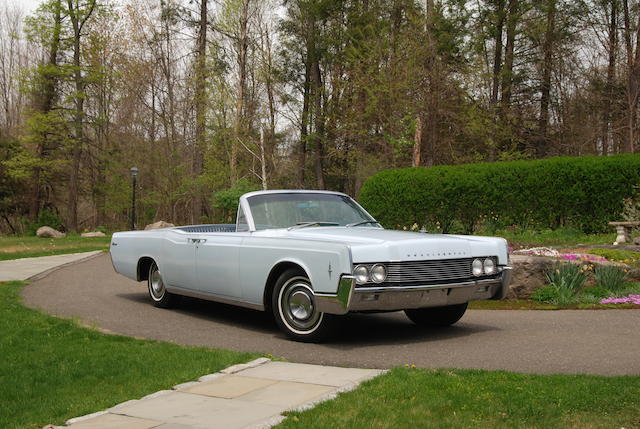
{"x":428,"y":271}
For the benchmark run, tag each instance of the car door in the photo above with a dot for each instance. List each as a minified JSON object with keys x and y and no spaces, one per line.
{"x":178,"y":267}
{"x":217,"y":264}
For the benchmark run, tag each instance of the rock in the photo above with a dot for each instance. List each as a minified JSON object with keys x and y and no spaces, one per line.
{"x":636,"y":241}
{"x":158,"y":225}
{"x":93,"y":234}
{"x":48,"y":232}
{"x":528,"y":275}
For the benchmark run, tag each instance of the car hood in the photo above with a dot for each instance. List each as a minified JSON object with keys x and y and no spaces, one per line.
{"x":379,"y":245}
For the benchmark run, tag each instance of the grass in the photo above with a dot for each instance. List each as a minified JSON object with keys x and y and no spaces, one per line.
{"x":405,"y":398}
{"x":525,"y":304}
{"x":558,"y":237}
{"x":52,"y":369}
{"x":14,"y":247}
{"x":615,"y":255}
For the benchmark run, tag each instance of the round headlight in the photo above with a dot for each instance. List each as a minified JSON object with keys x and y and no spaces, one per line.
{"x":361,"y":273}
{"x":378,"y":273}
{"x":489,"y":266}
{"x":476,"y":267}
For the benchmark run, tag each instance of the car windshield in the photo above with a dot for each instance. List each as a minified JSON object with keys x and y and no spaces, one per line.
{"x":300,"y":209}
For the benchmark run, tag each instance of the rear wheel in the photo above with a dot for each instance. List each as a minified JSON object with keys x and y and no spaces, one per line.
{"x":296,"y":311}
{"x":437,"y":316}
{"x":157,"y":290}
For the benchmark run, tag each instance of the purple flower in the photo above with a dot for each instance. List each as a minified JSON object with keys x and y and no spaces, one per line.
{"x":630,"y":299}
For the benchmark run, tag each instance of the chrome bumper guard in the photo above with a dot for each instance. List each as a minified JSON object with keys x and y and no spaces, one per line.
{"x":349,"y":298}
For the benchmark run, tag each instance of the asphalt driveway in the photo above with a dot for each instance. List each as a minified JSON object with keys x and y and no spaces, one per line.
{"x":571,"y":341}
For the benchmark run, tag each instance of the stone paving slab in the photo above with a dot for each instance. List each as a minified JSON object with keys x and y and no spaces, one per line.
{"x":229,"y":386}
{"x":199,"y":411}
{"x":287,"y":394}
{"x":305,"y":373}
{"x":250,"y":396}
{"x":28,"y":268}
{"x":116,"y":421}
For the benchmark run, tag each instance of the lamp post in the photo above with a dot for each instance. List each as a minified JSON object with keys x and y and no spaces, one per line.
{"x":134,"y":175}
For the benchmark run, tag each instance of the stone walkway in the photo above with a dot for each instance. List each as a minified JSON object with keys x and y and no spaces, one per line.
{"x":31,"y":268}
{"x":252,"y":395}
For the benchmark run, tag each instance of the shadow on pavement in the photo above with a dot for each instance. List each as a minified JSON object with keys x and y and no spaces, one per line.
{"x":355,"y":330}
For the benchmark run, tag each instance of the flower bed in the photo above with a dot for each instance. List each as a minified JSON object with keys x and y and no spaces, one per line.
{"x":546,"y":251}
{"x":629,"y":299}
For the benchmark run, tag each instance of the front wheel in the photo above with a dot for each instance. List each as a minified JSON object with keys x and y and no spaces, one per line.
{"x":157,"y":290}
{"x":296,"y":311}
{"x":437,"y":316}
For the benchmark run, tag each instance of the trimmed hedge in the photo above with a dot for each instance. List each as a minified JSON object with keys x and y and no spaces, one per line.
{"x":584,"y":193}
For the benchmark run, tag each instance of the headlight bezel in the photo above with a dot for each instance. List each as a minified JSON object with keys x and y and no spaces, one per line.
{"x":359,"y":279}
{"x":372,"y":274}
{"x":477,"y":267}
{"x":489,"y":267}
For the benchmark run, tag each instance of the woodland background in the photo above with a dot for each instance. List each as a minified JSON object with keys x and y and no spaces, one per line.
{"x":211,"y":98}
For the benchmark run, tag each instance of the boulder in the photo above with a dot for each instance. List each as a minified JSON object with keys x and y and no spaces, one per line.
{"x":158,"y":225}
{"x":528,"y":275}
{"x":93,"y":234}
{"x":636,"y":241}
{"x":48,"y":232}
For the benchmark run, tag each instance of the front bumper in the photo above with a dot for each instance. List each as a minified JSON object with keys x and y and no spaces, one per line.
{"x":349,"y":298}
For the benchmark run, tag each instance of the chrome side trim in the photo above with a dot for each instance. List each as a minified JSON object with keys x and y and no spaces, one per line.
{"x":215,"y":298}
{"x":339,"y":302}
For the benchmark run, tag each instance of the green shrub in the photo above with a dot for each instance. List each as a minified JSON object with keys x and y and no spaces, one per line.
{"x":593,"y":295}
{"x":584,"y":193}
{"x":610,"y":277}
{"x":548,"y":293}
{"x":227,"y":199}
{"x":598,"y":292}
{"x":553,"y":294}
{"x":567,"y":276}
{"x":628,"y":289}
{"x":45,"y":218}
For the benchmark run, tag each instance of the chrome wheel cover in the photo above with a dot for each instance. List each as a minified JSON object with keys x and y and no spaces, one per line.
{"x":297,"y":308}
{"x":156,"y":285}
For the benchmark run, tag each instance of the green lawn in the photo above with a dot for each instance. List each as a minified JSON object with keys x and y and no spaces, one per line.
{"x":557,"y":237}
{"x":527,"y":304}
{"x":408,"y":398}
{"x":14,"y":247}
{"x":52,"y":369}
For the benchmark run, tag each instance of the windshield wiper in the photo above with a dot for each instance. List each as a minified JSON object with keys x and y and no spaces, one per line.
{"x":306,"y":224}
{"x":361,"y":223}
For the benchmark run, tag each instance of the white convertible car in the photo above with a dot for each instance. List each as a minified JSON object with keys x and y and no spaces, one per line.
{"x":309,"y":257}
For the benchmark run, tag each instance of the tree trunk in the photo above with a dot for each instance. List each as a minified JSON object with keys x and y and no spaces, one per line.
{"x":611,"y":70}
{"x":304,"y":125}
{"x":242,"y":48}
{"x":201,"y":106}
{"x":497,"y":56}
{"x":633,"y":79}
{"x":45,"y":105}
{"x":417,"y":143}
{"x":507,"y":70}
{"x":545,"y":83}
{"x":318,"y":119}
{"x":78,"y":19}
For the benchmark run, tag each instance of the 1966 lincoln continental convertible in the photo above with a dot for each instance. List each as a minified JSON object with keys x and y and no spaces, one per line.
{"x":309,"y":257}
